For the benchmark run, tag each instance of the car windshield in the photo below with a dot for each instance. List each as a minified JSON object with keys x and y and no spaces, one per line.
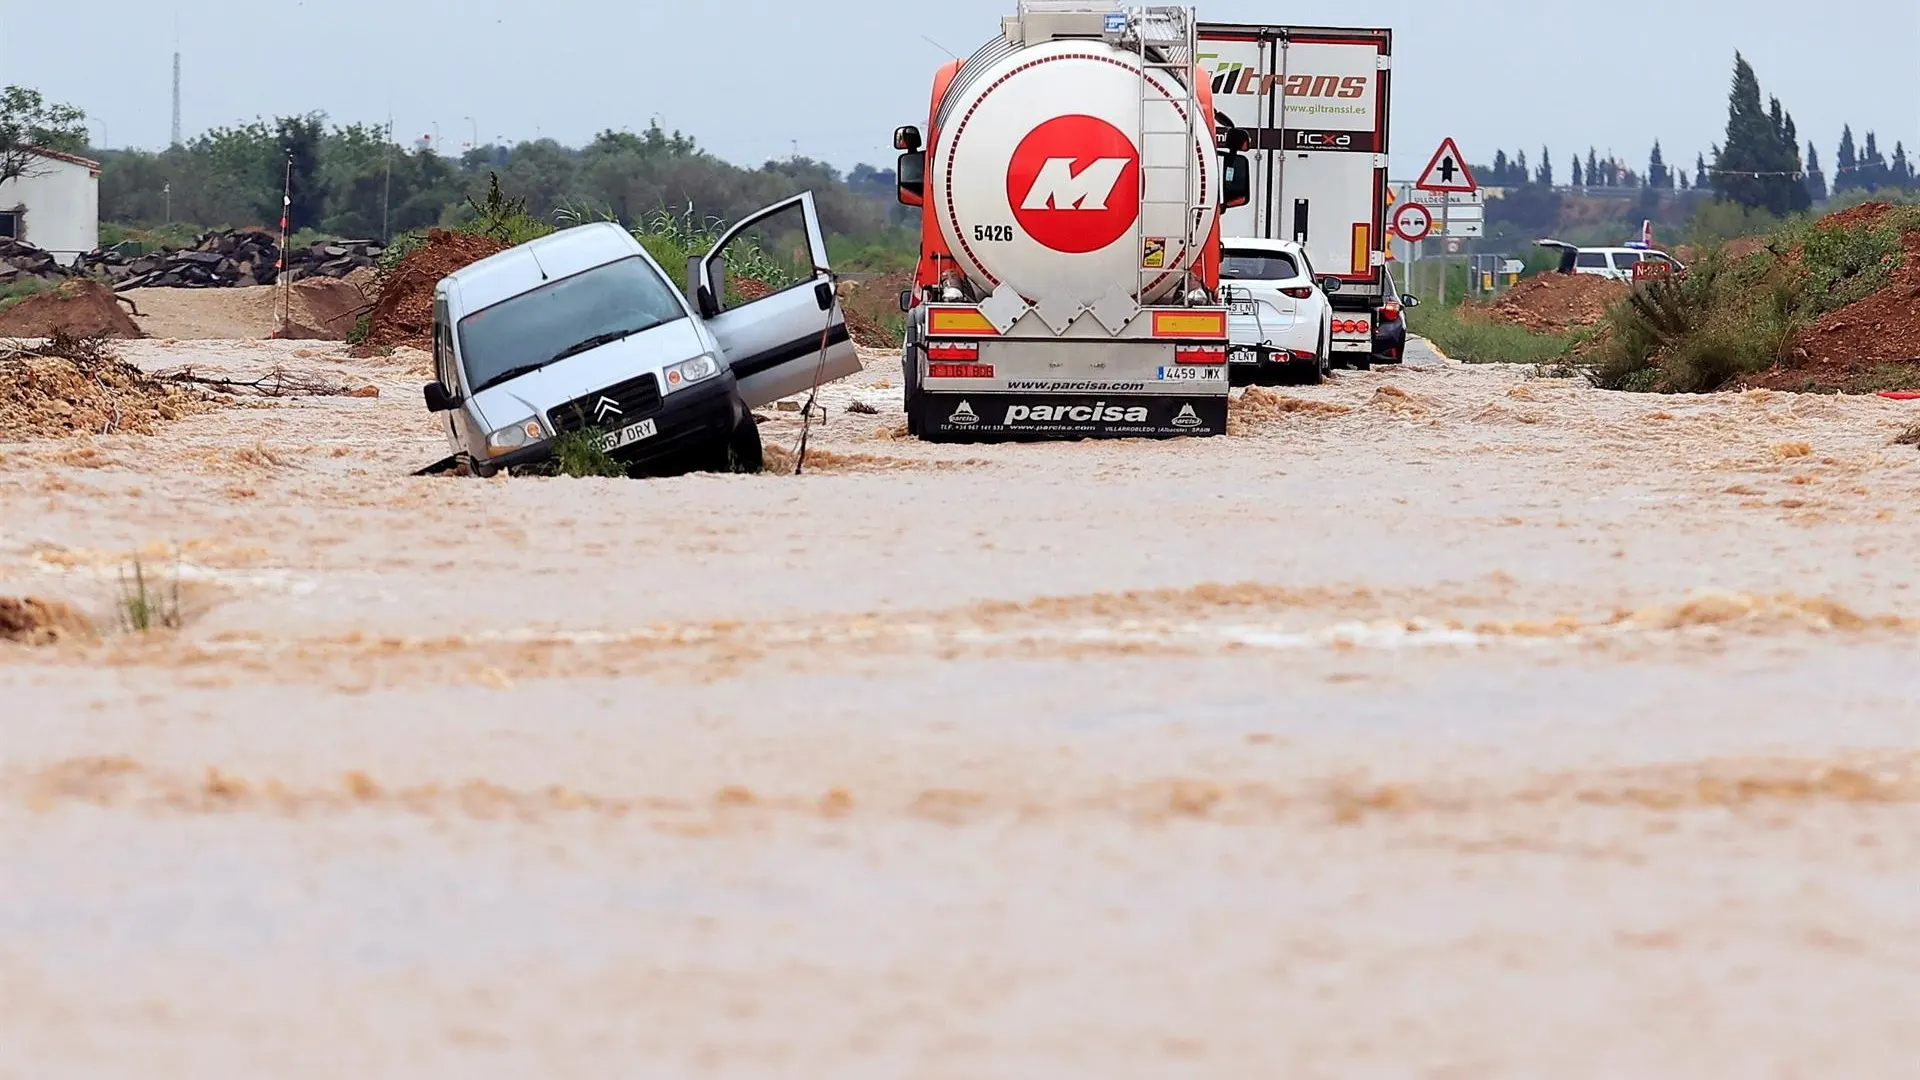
{"x":1258,"y":266}
{"x":563,"y":318}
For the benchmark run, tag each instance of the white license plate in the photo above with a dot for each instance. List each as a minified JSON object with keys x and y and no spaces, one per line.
{"x":626,"y":436}
{"x":1243,"y":355}
{"x":1193,"y":373}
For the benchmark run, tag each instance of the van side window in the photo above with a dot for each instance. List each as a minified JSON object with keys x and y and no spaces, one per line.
{"x":443,"y":349}
{"x":1625,"y":260}
{"x":767,"y":257}
{"x":1594,"y":259}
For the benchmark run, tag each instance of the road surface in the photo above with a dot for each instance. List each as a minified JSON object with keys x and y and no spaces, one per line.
{"x":1442,"y":721}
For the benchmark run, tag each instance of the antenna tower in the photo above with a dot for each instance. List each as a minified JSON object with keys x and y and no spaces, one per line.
{"x":176,"y":97}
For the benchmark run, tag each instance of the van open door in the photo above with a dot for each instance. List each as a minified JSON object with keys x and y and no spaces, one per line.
{"x":1568,"y":253}
{"x":766,"y":292}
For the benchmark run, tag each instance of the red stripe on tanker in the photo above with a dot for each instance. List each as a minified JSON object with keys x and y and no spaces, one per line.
{"x":1036,"y":181}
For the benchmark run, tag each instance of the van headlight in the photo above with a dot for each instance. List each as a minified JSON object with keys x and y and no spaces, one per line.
{"x":514,"y":436}
{"x":704,"y":366}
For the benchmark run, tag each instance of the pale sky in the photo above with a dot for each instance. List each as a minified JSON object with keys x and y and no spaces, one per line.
{"x":753,"y":79}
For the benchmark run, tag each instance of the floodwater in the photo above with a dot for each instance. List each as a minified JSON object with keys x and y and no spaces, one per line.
{"x":1441,"y":722}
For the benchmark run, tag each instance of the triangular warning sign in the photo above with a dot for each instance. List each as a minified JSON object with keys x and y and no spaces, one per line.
{"x":1447,"y":171}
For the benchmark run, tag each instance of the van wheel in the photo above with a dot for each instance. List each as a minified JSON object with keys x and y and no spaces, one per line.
{"x":745,"y":453}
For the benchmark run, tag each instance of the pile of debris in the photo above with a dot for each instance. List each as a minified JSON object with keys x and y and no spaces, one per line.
{"x":403,"y":312}
{"x":74,"y":385}
{"x":219,"y":259}
{"x":234,"y":257}
{"x":1557,"y":303}
{"x":81,"y":307}
{"x":20,"y":260}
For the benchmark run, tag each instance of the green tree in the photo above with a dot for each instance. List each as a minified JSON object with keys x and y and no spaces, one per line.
{"x":1758,"y":167}
{"x":1816,"y":180}
{"x":1594,"y":176}
{"x":1545,"y":175}
{"x":298,"y":140}
{"x":1658,"y":175}
{"x":28,"y":122}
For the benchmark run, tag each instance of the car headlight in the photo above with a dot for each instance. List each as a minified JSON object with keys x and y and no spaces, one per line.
{"x":704,"y":366}
{"x":514,"y":436}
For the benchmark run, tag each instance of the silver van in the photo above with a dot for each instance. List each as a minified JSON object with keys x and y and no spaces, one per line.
{"x":581,"y":329}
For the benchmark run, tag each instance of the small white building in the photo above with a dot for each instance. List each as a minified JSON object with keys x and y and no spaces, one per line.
{"x":56,"y":206}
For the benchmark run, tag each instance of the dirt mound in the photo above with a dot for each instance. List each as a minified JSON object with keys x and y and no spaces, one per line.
{"x":29,"y":620}
{"x":325,"y":309}
{"x":81,"y":307}
{"x":1864,"y":216}
{"x":403,"y":314}
{"x":73,"y":386}
{"x":1883,"y":329}
{"x":1554,"y":303}
{"x":872,"y":308}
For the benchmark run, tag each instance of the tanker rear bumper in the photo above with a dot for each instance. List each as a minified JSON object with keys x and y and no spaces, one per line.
{"x":954,"y":416}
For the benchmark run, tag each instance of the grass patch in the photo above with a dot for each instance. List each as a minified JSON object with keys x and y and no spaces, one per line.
{"x":20,"y":290}
{"x":1728,"y":318}
{"x":575,"y":454}
{"x":143,"y":607}
{"x":1459,"y":333}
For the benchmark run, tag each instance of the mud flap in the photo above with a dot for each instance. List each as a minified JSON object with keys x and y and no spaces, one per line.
{"x":951,"y":417}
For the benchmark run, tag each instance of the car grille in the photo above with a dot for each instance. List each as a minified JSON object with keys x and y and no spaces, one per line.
{"x":635,"y":398}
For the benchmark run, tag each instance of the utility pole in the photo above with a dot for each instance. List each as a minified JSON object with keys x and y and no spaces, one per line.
{"x":176,"y":80}
{"x":386,"y":186}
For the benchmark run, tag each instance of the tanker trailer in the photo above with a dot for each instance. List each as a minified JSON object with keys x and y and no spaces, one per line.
{"x":1070,"y":190}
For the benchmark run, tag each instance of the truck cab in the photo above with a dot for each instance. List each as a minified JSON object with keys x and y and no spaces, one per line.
{"x":582,"y":331}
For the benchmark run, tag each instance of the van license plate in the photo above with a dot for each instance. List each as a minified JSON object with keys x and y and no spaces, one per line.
{"x":626,"y":436}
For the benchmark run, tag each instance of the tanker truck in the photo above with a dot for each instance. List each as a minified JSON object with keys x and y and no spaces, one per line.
{"x":1070,"y":189}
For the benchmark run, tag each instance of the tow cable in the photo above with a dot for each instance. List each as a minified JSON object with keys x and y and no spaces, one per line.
{"x":819,"y":368}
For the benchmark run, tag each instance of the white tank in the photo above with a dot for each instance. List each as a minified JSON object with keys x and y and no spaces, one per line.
{"x":1036,"y":172}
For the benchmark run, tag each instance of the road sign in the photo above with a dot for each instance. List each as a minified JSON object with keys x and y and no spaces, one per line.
{"x":1413,"y":222}
{"x":1447,"y":171}
{"x":1475,"y":197}
{"x":1453,"y":247}
{"x":1457,"y":227}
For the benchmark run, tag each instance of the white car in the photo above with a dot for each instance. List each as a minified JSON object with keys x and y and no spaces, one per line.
{"x":1279,"y":323}
{"x":1613,"y":263}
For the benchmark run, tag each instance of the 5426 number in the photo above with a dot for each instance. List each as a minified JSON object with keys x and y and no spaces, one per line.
{"x":1001,"y":233}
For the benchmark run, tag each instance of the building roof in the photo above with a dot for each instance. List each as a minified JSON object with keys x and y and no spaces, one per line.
{"x":61,"y":155}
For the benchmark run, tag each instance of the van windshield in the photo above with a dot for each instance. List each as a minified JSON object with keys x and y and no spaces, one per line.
{"x":563,"y":318}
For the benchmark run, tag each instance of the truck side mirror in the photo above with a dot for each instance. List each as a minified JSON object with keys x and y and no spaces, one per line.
{"x":910,"y":177}
{"x":1330,"y":284}
{"x":1236,"y":181}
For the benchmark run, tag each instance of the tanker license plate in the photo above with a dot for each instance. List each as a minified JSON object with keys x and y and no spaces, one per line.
{"x":1194,"y":373}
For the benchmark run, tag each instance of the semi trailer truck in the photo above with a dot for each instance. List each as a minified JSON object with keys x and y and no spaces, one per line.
{"x":1315,"y":101}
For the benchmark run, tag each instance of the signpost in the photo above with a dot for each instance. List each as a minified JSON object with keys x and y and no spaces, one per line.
{"x":1445,"y":177}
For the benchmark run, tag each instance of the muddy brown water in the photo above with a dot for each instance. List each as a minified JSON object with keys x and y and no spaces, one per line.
{"x":1444,"y":721}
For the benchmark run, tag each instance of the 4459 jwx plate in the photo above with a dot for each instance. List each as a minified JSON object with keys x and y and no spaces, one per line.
{"x":1194,"y":373}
